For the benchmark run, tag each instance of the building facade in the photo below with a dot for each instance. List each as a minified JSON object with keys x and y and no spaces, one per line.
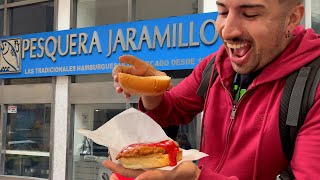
{"x":40,"y":115}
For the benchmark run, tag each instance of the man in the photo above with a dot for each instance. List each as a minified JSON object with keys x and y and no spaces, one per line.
{"x":263,"y":44}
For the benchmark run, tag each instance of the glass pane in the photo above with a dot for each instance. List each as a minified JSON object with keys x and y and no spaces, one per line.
{"x":1,"y":1}
{"x":178,"y":73}
{"x":91,"y":117}
{"x":185,"y":135}
{"x":28,"y":140}
{"x":149,"y":9}
{"x":11,"y":1}
{"x":100,"y":12}
{"x":1,"y":23}
{"x":93,"y":78}
{"x":28,"y":81}
{"x":316,"y":15}
{"x":21,"y":21}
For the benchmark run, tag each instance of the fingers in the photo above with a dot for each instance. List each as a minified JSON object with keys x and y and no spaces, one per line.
{"x":186,"y":171}
{"x":153,"y":175}
{"x":113,"y":177}
{"x":138,"y":67}
{"x":123,"y":69}
{"x":121,"y":170}
{"x":118,"y":88}
{"x":132,"y":60}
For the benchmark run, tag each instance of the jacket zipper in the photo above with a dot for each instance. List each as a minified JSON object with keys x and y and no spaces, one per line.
{"x":232,"y":116}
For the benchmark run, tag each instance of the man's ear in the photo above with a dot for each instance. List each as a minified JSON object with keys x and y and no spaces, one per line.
{"x":295,"y":17}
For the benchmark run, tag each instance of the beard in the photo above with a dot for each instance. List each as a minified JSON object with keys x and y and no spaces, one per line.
{"x":264,"y":56}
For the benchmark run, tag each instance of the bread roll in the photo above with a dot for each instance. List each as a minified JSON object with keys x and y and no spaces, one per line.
{"x":143,"y":85}
{"x":148,"y":161}
{"x":150,"y":155}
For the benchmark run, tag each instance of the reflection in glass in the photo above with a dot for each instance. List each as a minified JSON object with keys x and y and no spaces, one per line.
{"x":315,"y":16}
{"x":1,"y":23}
{"x":30,"y":166}
{"x":100,"y":12}
{"x":91,"y":117}
{"x":92,"y":78}
{"x":150,"y":9}
{"x":11,"y":1}
{"x":28,"y":140}
{"x":36,"y":80}
{"x":185,"y":135}
{"x":21,"y":21}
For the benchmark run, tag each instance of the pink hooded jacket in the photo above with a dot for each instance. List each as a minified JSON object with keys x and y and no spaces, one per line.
{"x":248,"y":146}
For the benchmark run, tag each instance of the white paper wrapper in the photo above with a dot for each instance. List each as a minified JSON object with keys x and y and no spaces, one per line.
{"x":129,"y":127}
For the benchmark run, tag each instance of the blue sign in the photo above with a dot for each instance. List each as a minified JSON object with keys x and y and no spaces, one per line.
{"x":167,"y":43}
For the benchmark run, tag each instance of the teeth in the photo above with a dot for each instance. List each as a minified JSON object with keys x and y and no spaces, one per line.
{"x":236,"y":46}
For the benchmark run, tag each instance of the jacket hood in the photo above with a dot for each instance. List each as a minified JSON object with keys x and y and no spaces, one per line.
{"x":304,"y":48}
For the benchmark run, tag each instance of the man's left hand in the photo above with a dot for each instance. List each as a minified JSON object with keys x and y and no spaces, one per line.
{"x":186,"y":170}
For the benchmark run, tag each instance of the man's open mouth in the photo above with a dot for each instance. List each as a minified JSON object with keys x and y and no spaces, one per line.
{"x":239,"y":50}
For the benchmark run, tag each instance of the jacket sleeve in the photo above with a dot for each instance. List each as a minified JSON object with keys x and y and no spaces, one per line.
{"x":306,"y":156}
{"x":209,"y":174}
{"x":180,"y":104}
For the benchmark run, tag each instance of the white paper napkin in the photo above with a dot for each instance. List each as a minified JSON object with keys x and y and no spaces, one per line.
{"x":129,"y":127}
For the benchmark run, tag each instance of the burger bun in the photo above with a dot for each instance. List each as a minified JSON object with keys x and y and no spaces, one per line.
{"x":143,"y":85}
{"x":148,"y":161}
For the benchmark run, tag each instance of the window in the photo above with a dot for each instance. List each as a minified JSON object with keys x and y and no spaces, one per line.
{"x":92,"y":78}
{"x":150,"y":9}
{"x":27,"y":140}
{"x":21,"y":21}
{"x":100,"y":12}
{"x":315,"y":16}
{"x":91,"y":117}
{"x":28,"y":80}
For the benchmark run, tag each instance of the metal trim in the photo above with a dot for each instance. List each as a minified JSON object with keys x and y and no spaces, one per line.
{"x":55,"y":14}
{"x":25,"y":2}
{"x":5,"y":20}
{"x":73,"y":14}
{"x":200,"y":6}
{"x":3,"y":131}
{"x":53,"y":83}
{"x":70,"y":142}
{"x":19,"y":178}
{"x":132,"y":10}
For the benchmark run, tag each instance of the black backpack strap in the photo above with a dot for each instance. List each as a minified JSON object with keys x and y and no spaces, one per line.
{"x":206,"y":75}
{"x":297,"y":99}
{"x":286,"y":174}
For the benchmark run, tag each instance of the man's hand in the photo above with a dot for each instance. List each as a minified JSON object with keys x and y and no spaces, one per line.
{"x":137,"y":67}
{"x":186,"y":171}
